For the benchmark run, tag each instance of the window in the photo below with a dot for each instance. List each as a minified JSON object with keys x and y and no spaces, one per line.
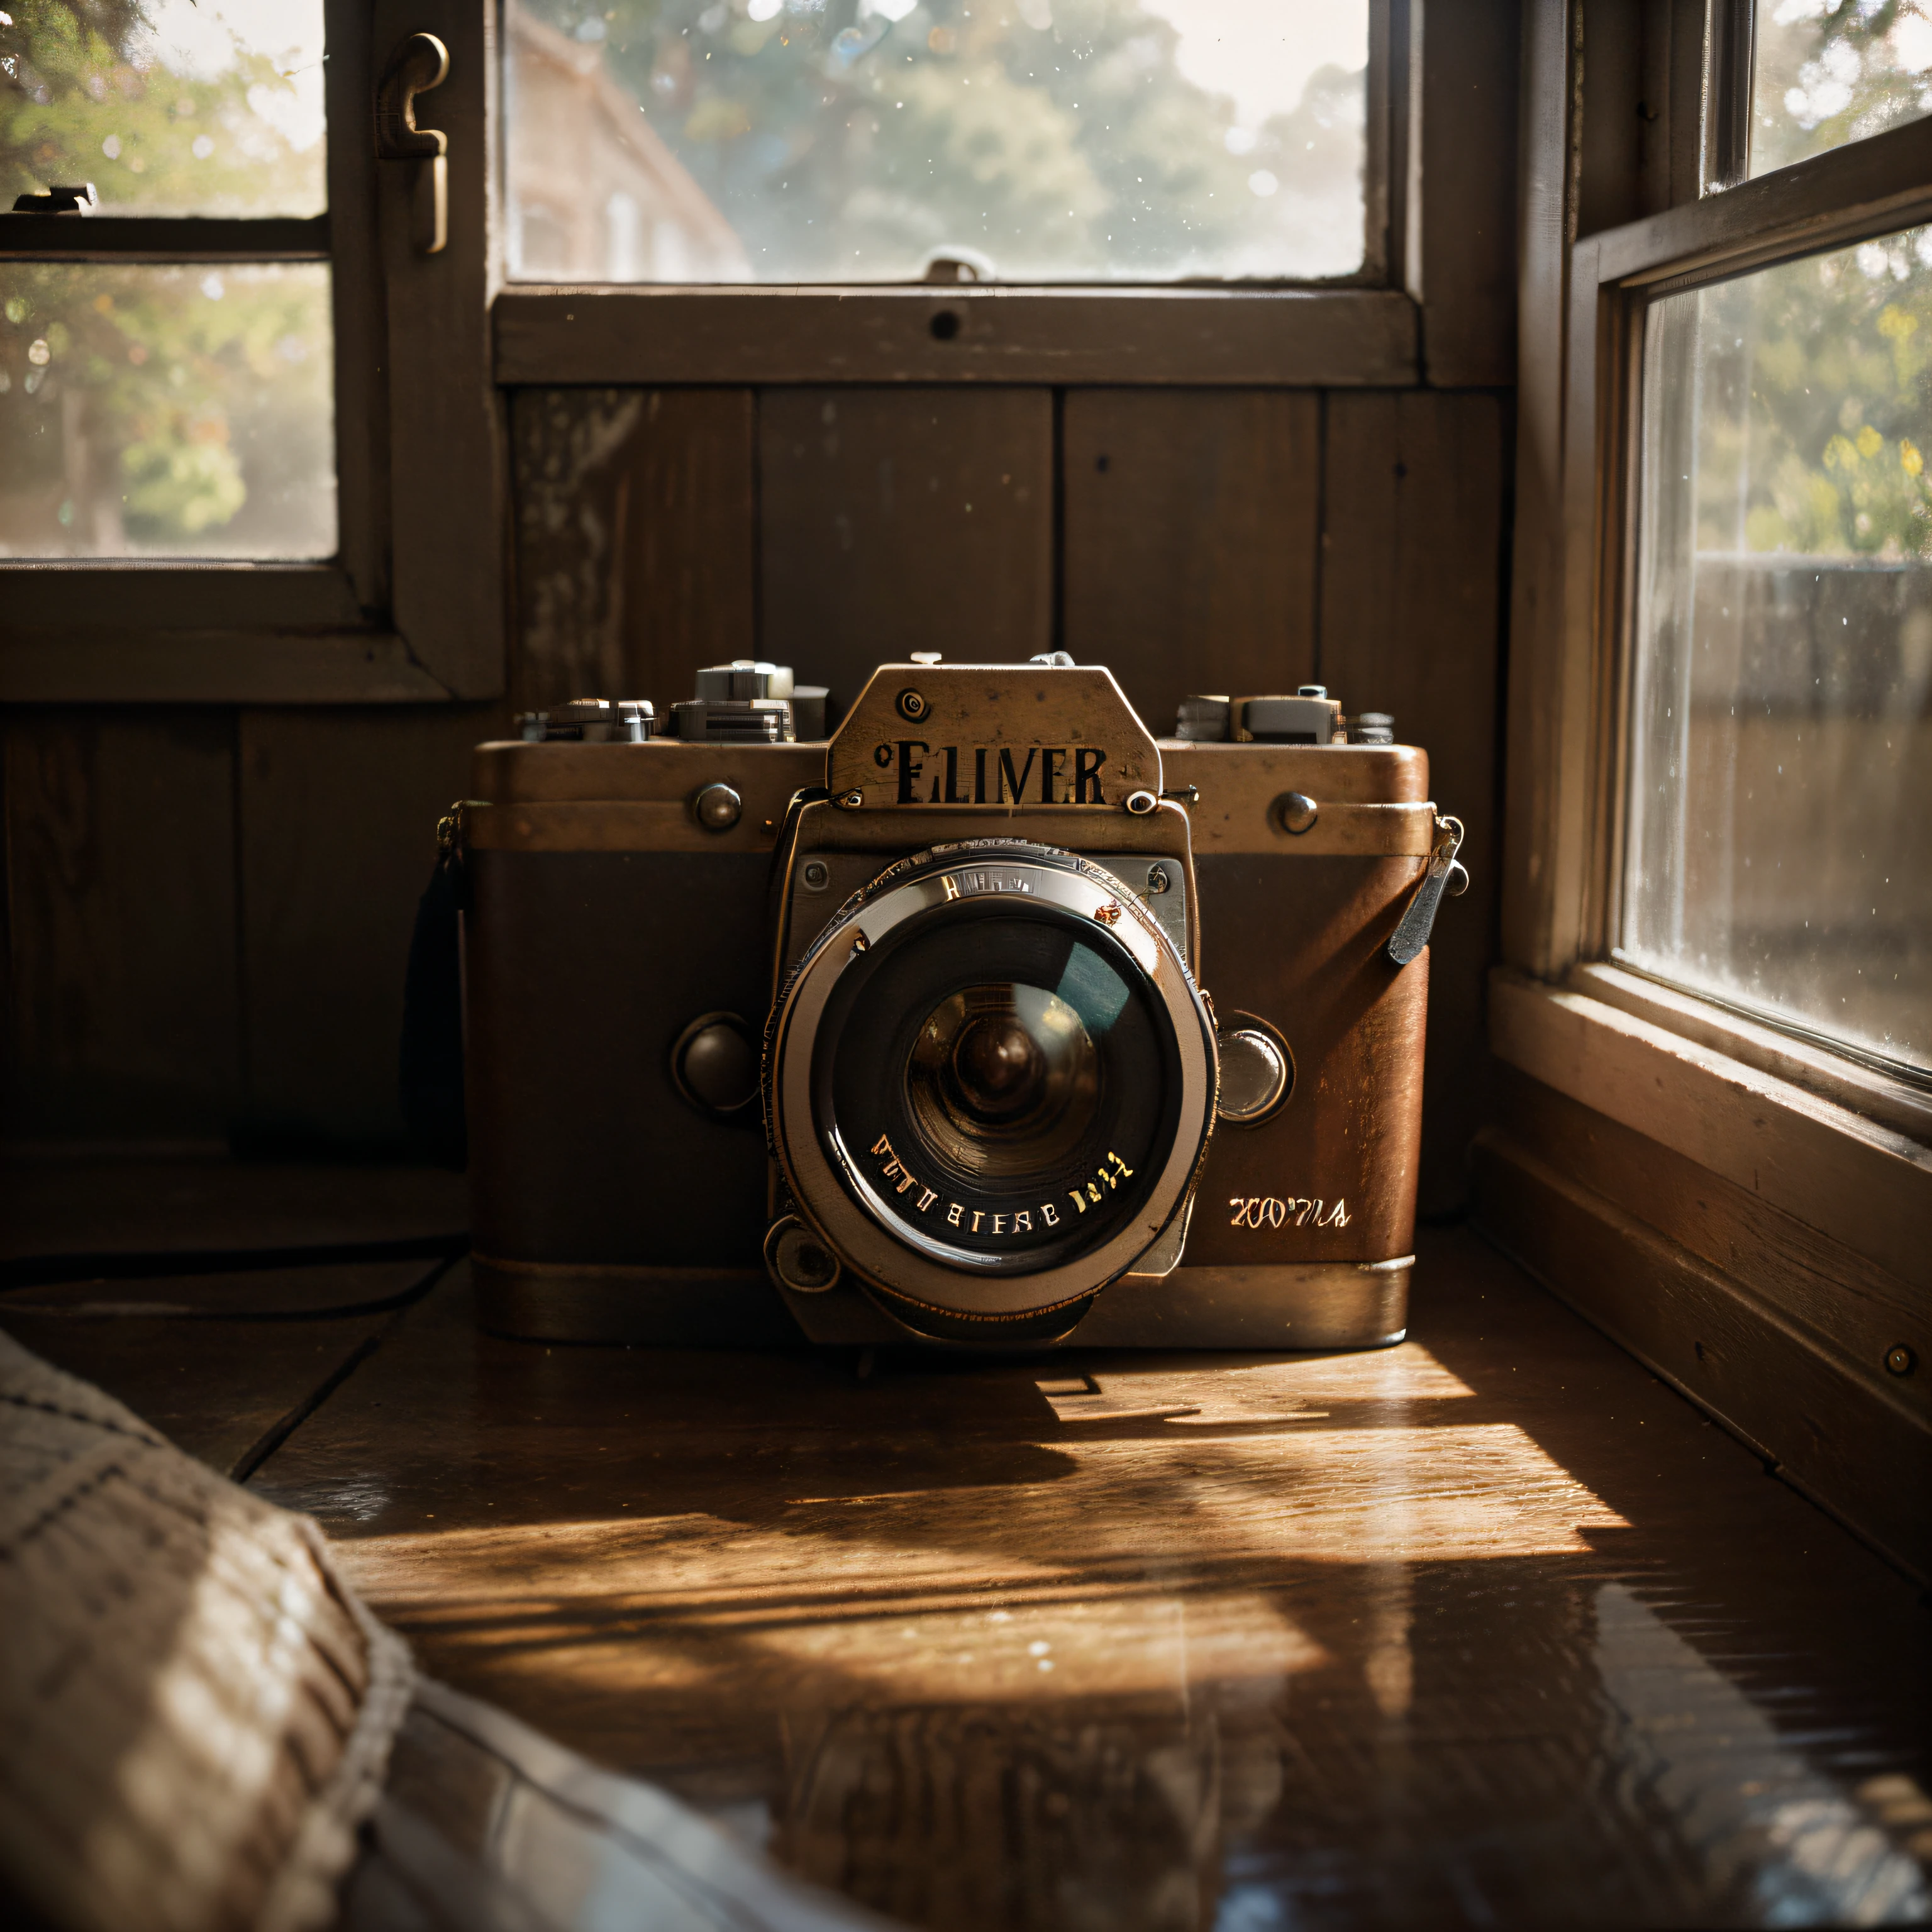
{"x":854,"y":141}
{"x":249,"y":449}
{"x":1714,"y":1131}
{"x":1781,"y":762}
{"x":1825,"y":72}
{"x":165,"y":408}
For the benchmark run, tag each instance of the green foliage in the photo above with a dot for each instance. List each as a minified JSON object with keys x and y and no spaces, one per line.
{"x":139,"y":407}
{"x":1825,"y":455}
{"x":1057,"y":137}
{"x":1831,"y":71}
{"x":87,"y":93}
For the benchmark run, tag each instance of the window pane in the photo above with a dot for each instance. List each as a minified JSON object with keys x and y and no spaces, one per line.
{"x":1826,"y":72}
{"x":1780,"y":839}
{"x":173,"y":411}
{"x":168,"y":106}
{"x":856,"y":140}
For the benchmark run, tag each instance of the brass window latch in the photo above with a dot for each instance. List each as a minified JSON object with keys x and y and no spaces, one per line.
{"x":420,"y":62}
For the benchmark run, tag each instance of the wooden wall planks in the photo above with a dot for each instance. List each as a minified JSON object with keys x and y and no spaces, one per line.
{"x":122,"y":940}
{"x":634,"y":517}
{"x":1464,"y":260}
{"x":897,"y":521}
{"x":1411,"y":564}
{"x":338,"y":812}
{"x":1190,"y":539}
{"x":1234,"y":538}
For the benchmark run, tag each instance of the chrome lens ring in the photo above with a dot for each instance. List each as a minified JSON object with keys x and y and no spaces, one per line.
{"x":836,"y":1194}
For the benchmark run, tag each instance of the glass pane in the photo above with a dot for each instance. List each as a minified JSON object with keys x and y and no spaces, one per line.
{"x":1829,"y":71}
{"x":170,"y":412}
{"x":168,"y":106}
{"x":1780,"y":840}
{"x":859,"y":140}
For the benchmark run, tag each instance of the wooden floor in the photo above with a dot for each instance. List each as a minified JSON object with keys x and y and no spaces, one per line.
{"x":1491,"y":1629}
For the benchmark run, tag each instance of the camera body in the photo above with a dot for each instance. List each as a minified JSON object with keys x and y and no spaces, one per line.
{"x":992,"y":1022}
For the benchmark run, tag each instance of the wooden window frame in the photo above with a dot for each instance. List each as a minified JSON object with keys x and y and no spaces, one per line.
{"x":415,"y":607}
{"x":1841,"y":1145}
{"x":1357,"y":329}
{"x":411,"y":609}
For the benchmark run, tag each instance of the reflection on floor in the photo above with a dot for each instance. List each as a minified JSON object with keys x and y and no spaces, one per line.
{"x":1488,"y":1629}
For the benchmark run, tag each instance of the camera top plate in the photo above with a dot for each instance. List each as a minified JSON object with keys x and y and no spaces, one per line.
{"x":996,"y":736}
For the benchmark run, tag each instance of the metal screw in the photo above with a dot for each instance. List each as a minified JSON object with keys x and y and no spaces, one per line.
{"x":850,"y":801}
{"x":717,"y":808}
{"x":1899,"y":1360}
{"x":1157,"y":879}
{"x":803,"y":1261}
{"x":816,"y":873}
{"x":1142,"y":802}
{"x":1296,"y":811}
{"x":913,"y":705}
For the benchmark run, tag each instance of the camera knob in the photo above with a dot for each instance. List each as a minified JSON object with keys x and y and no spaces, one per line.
{"x":1296,"y":811}
{"x":717,"y":808}
{"x":1257,"y":1071}
{"x":715,"y":1065}
{"x":798,"y":1259}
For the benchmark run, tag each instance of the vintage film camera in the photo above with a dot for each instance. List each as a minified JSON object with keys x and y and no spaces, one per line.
{"x":990,"y":1021}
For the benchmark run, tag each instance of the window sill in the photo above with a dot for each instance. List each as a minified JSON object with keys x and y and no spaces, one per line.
{"x":132,"y":664}
{"x":1856,"y":1179}
{"x":1299,"y":338}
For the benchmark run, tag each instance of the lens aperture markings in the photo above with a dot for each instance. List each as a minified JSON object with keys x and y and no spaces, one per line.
{"x":1005,"y":1222}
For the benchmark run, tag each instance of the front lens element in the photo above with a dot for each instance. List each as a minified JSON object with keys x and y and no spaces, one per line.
{"x":1004,"y":1077}
{"x":1000,"y":1082}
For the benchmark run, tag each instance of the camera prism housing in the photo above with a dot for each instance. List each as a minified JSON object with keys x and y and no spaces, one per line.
{"x":991,"y":1022}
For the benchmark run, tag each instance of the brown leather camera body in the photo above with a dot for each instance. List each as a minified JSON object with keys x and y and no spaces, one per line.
{"x":633,"y":908}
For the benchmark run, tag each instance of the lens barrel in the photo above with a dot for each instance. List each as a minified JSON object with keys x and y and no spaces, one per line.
{"x":990,"y":1080}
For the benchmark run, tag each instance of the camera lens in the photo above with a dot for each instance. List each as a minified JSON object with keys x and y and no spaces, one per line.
{"x":989,"y":1082}
{"x":1003,"y":1077}
{"x":997,"y":1082}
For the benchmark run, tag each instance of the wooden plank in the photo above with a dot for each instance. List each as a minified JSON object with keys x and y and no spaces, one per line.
{"x":1535,"y":709}
{"x":59,"y":1216}
{"x":1189,"y":540}
{"x":1331,"y":338}
{"x":358,"y":310}
{"x":449,"y":454}
{"x":1879,"y":1097}
{"x":214,"y":595}
{"x":1470,"y":116}
{"x":127,"y":665}
{"x":121,"y":926}
{"x":1853,"y":1311}
{"x":326,"y":1290}
{"x":215,"y":1388}
{"x":1862,"y":1184}
{"x":895,"y":521}
{"x":1866,"y":188}
{"x":1316,"y":1626}
{"x":1843,"y":1441}
{"x":152,"y":238}
{"x":634,"y":519}
{"x":1411,"y":585}
{"x":338,"y":813}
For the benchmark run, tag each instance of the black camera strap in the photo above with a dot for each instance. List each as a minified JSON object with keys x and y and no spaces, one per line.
{"x":430,"y":1064}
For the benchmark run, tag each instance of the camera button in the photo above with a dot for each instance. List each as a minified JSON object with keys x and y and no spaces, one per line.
{"x":1256,"y":1071}
{"x":717,"y":808}
{"x":1296,"y":811}
{"x":715,"y":1065}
